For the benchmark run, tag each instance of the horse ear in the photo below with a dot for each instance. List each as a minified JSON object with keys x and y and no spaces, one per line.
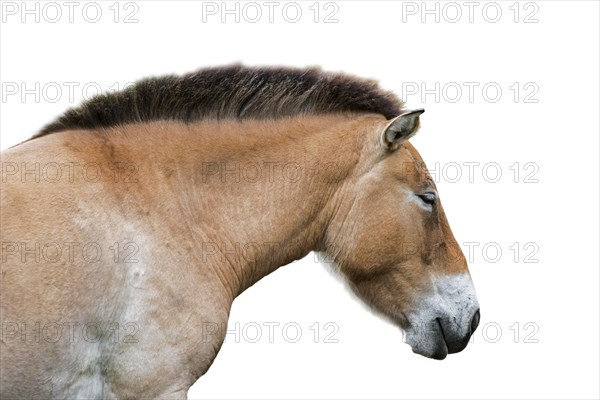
{"x":401,"y":128}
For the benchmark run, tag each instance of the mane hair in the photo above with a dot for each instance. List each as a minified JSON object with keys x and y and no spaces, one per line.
{"x":230,"y":92}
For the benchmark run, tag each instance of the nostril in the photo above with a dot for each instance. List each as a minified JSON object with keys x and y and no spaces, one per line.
{"x":475,"y":321}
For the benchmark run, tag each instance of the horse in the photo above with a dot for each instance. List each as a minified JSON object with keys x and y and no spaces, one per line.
{"x":132,"y":222}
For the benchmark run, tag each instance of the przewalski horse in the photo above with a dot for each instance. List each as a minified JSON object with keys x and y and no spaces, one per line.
{"x":131,"y":223}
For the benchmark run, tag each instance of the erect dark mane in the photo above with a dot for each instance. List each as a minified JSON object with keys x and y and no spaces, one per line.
{"x":230,"y":92}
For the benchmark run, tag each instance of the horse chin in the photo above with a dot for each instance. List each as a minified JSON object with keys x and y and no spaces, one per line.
{"x":438,"y":353}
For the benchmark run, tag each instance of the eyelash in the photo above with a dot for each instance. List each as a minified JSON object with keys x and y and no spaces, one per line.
{"x":428,"y":198}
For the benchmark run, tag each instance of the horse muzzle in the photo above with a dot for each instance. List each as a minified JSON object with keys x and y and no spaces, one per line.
{"x":441,"y":336}
{"x":445,"y":319}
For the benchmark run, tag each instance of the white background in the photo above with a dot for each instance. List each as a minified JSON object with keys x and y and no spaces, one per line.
{"x":552,"y":123}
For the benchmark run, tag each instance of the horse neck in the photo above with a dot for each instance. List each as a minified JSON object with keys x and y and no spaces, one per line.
{"x":255,"y":195}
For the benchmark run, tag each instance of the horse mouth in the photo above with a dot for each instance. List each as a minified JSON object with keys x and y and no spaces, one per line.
{"x":438,"y":342}
{"x":442,"y":346}
{"x":429,"y":342}
{"x":449,"y":344}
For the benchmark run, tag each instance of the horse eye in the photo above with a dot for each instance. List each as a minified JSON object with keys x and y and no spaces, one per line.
{"x":427,"y":197}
